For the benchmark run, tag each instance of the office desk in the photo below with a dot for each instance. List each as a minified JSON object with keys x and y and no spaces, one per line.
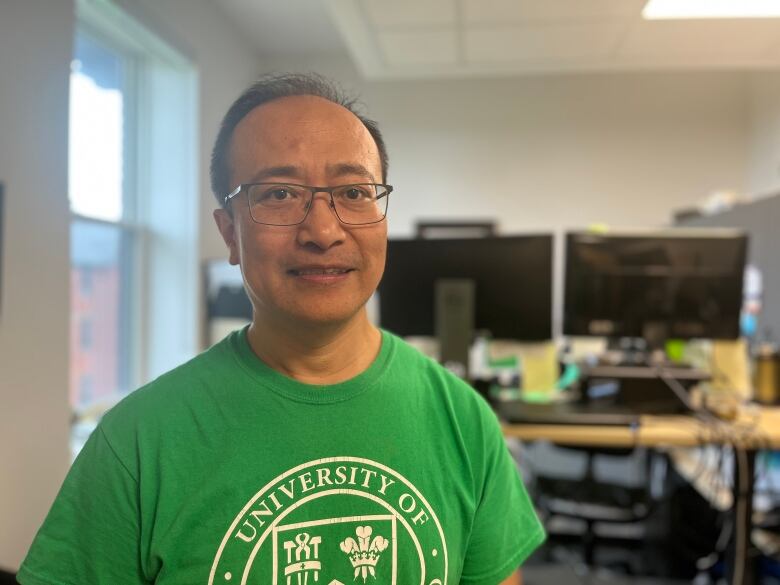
{"x":661,"y":431}
{"x":754,"y":429}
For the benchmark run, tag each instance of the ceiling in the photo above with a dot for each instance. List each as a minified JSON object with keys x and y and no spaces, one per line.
{"x":286,"y":28}
{"x":461,"y":38}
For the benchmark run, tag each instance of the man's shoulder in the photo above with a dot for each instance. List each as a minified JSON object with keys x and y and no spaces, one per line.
{"x":439,"y":380}
{"x":184,"y":384}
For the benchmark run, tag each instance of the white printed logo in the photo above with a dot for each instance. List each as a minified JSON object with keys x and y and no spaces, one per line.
{"x":294,"y":532}
{"x":364,"y":556}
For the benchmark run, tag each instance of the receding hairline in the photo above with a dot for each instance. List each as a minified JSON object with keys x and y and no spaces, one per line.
{"x":272,"y":87}
{"x":277,"y":102}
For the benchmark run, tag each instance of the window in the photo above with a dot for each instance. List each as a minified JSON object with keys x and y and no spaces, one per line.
{"x":104,"y":234}
{"x":85,"y":281}
{"x":85,"y":342}
{"x":85,"y":386}
{"x":132,"y":174}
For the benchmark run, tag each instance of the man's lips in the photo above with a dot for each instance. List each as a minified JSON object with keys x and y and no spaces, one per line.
{"x":322,"y":271}
{"x":320,"y":275}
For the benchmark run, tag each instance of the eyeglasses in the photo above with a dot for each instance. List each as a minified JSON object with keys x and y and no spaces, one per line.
{"x":287,"y":204}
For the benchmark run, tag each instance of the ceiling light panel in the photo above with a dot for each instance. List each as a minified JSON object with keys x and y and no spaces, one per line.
{"x":523,"y":11}
{"x":385,"y":14}
{"x":691,"y":9}
{"x":538,"y":44}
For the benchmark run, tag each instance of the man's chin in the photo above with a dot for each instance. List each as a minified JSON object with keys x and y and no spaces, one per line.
{"x":326,"y":317}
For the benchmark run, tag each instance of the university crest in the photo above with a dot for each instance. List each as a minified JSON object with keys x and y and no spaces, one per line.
{"x":336,"y":551}
{"x":334,"y":521}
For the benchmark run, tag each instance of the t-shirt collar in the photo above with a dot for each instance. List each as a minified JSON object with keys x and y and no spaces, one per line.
{"x":312,"y":393}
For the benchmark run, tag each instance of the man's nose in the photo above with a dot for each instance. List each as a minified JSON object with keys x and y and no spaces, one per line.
{"x":321,"y":226}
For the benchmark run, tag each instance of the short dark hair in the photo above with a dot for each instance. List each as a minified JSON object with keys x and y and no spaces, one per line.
{"x":272,"y":87}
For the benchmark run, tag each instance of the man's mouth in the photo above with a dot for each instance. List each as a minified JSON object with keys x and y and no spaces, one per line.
{"x":324,"y":271}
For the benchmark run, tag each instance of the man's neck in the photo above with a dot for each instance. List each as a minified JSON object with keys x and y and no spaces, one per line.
{"x":316,"y":355}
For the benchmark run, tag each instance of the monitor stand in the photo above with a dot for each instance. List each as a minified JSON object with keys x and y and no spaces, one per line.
{"x":454,"y":322}
{"x":632,"y":351}
{"x":648,"y":350}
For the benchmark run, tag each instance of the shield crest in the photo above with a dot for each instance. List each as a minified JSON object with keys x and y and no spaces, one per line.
{"x":336,"y":551}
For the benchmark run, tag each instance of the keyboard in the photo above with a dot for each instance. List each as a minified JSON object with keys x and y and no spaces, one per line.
{"x":566,"y":413}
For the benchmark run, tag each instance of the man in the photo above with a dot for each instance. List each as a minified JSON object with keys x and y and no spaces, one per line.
{"x":310,"y":447}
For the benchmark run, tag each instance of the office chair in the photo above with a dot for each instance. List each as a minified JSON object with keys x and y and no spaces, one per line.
{"x":597,"y":500}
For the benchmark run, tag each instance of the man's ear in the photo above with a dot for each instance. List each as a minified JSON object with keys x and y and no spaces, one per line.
{"x":227,"y":228}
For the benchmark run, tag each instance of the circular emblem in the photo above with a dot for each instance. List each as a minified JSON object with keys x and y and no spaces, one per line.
{"x":334,"y":521}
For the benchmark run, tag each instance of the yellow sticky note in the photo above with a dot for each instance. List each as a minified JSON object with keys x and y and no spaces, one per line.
{"x":730,"y":368}
{"x":540,"y":366}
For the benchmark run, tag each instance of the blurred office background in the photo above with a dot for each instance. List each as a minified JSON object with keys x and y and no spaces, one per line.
{"x":541,"y":115}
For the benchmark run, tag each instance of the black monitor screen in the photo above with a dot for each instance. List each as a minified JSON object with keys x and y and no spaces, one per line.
{"x":512,"y":276}
{"x":668,"y":285}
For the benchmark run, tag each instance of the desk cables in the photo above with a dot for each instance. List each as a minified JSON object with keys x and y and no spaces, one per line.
{"x":737,"y":438}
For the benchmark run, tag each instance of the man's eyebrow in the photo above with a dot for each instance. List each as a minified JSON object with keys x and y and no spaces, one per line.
{"x":281,"y":171}
{"x":291,"y":171}
{"x":343,"y":169}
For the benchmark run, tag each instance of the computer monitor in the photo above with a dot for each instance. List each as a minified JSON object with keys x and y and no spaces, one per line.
{"x":511,"y":275}
{"x":671,"y":284}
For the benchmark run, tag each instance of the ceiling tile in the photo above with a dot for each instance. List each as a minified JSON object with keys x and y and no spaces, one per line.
{"x":419,"y":48}
{"x":414,"y":39}
{"x":524,"y":11}
{"x":266,"y":24}
{"x":541,"y":43}
{"x":385,"y":14}
{"x":701,"y":38}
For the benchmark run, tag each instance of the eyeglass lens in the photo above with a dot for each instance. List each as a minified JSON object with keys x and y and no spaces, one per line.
{"x":282,"y":204}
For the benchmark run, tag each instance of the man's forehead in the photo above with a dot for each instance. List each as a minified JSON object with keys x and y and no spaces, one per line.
{"x":287,"y":126}
{"x":302,"y":109}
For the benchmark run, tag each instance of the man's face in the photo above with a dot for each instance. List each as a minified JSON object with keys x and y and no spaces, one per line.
{"x":310,"y":141}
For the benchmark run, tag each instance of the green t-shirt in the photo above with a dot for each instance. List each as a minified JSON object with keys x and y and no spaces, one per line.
{"x":224,"y":471}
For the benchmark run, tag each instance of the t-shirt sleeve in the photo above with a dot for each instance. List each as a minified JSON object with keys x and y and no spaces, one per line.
{"x":91,"y":533}
{"x":506,"y":529}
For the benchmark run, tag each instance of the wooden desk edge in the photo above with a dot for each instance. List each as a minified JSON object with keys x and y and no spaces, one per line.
{"x":657,"y":431}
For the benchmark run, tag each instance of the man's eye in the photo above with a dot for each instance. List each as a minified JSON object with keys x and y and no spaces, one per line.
{"x":278,"y":194}
{"x":355,"y":193}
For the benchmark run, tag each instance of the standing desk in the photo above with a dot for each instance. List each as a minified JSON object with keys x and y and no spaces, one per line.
{"x":754,"y":429}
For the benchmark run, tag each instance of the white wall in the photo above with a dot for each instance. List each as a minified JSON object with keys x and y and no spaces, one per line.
{"x":551,"y":152}
{"x":764,"y":132}
{"x":35,"y":53}
{"x":34,"y":307}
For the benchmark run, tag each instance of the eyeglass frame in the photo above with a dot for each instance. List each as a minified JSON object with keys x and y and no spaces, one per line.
{"x":313,"y":190}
